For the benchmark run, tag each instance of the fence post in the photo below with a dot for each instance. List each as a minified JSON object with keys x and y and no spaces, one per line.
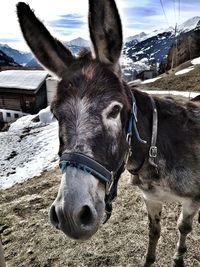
{"x":2,"y":259}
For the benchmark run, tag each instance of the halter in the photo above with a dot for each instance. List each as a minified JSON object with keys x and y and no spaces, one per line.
{"x":110,"y":178}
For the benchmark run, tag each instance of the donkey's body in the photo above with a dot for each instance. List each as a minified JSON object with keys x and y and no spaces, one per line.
{"x":178,"y":175}
{"x":93,"y":108}
{"x":178,"y":149}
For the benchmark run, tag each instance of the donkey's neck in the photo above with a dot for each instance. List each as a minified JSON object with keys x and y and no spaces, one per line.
{"x":174,"y":142}
{"x":140,"y":151}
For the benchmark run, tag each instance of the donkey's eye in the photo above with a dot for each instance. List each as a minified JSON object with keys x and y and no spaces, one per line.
{"x":114,"y":112}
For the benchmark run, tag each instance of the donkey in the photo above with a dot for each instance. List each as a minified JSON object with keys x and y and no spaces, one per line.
{"x":104,"y":127}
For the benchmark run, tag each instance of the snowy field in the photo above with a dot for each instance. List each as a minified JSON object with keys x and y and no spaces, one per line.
{"x":28,"y":148}
{"x":172,"y":92}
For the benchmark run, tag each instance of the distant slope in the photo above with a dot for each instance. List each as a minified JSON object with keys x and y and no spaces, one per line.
{"x":138,"y":37}
{"x":186,"y":48}
{"x":187,"y":81}
{"x":7,"y":61}
{"x":19,"y":57}
{"x":33,"y":64}
{"x":78,"y":42}
{"x":154,"y":47}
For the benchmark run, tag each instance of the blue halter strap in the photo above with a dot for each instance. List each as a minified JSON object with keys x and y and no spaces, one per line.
{"x":132,"y":126}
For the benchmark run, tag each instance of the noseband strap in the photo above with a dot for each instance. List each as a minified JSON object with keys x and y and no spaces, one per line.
{"x":87,"y":164}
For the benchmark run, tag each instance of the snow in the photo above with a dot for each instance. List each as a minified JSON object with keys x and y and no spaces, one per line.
{"x":22,"y":79}
{"x":196,"y":61}
{"x":125,"y":61}
{"x":28,"y":149}
{"x":151,"y":80}
{"x":189,"y":25}
{"x":169,"y":92}
{"x":180,"y":72}
{"x":46,"y":116}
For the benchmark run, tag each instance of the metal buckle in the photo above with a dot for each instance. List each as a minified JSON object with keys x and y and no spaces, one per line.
{"x":153,"y":152}
{"x":128,"y":138}
{"x":134,"y":111}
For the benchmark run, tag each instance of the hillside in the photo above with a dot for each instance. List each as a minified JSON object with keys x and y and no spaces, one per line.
{"x":7,"y":61}
{"x":157,"y":47}
{"x":185,"y":77}
{"x":186,"y":48}
{"x":19,"y":57}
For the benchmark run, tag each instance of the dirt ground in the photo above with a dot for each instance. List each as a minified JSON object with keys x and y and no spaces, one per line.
{"x":30,"y":240}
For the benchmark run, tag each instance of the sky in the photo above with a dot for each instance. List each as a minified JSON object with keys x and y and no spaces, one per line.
{"x":67,"y":19}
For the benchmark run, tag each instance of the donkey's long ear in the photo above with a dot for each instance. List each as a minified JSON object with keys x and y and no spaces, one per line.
{"x":49,"y":51}
{"x":105,"y":31}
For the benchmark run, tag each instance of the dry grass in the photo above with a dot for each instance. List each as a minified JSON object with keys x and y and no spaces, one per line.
{"x":186,"y":82}
{"x":30,"y":241}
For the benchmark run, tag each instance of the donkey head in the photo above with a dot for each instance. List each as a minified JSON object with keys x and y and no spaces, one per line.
{"x":91,"y":107}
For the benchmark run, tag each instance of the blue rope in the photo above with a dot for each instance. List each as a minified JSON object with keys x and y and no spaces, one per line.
{"x":133,"y":122}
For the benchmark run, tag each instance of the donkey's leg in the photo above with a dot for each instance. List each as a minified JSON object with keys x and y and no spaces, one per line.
{"x":154,"y":214}
{"x":189,"y":209}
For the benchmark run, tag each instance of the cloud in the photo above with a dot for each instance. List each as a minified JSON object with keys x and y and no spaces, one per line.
{"x":9,"y":40}
{"x":140,"y":12}
{"x":68,"y":21}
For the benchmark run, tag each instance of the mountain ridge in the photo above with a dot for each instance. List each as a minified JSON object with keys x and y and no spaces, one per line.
{"x":19,"y":57}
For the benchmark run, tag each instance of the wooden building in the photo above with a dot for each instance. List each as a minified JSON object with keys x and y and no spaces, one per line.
{"x":23,"y":91}
{"x":146,"y":74}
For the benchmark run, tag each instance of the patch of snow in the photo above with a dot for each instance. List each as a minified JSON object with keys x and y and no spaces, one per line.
{"x":189,"y":25}
{"x":140,"y":52}
{"x":196,"y":61}
{"x":169,"y":92}
{"x":46,"y":116}
{"x":151,"y":80}
{"x":125,"y":61}
{"x":180,"y":72}
{"x":28,"y":149}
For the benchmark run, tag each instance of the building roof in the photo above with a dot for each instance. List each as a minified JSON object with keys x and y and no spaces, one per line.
{"x":22,"y":79}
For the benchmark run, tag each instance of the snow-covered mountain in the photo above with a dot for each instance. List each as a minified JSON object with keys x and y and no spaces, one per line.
{"x":75,"y":47}
{"x":189,"y":25}
{"x":78,"y":42}
{"x":154,"y":47}
{"x":138,"y":37}
{"x":19,"y":57}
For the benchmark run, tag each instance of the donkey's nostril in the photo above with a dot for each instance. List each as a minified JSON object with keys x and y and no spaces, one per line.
{"x":85,"y":216}
{"x":54,"y":217}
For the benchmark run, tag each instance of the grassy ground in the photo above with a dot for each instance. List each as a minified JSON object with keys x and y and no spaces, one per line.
{"x":186,"y":82}
{"x":30,"y":241}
